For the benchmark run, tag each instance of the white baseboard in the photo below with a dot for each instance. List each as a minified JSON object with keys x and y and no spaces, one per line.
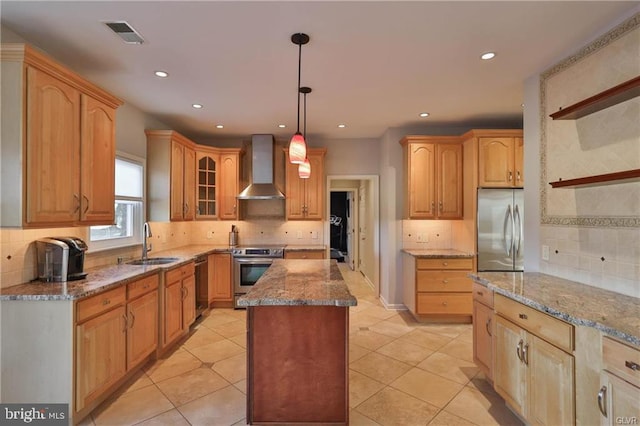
{"x":393,"y":306}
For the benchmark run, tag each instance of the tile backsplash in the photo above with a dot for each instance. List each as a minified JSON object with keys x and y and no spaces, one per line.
{"x":17,"y":246}
{"x":607,"y":258}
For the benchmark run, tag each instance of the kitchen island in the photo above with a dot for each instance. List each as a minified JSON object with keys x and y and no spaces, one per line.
{"x":298,"y":344}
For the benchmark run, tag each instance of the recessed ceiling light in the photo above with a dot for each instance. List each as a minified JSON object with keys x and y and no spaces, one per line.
{"x":219,"y":126}
{"x":342,"y":126}
{"x":522,"y":105}
{"x":424,"y":114}
{"x":161,"y":74}
{"x":488,"y":55}
{"x":197,"y":106}
{"x":282,"y":126}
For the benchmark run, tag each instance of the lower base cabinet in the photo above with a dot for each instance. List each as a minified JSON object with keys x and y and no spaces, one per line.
{"x":535,"y":377}
{"x":178,"y":304}
{"x":220,"y":280}
{"x":619,"y":395}
{"x":303,"y":254}
{"x":482,"y":329}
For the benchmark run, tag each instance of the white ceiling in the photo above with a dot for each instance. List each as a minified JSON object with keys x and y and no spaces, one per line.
{"x":371,"y":65}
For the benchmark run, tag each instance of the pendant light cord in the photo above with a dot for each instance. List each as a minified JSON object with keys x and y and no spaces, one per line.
{"x":298,"y":89}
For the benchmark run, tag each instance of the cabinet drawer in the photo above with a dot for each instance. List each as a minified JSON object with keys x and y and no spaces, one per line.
{"x":100,"y":303}
{"x":178,"y":274}
{"x":621,"y":360}
{"x":445,"y":263}
{"x":482,"y":294}
{"x":443,"y":281}
{"x":445,"y":303}
{"x":140,"y":287}
{"x":554,"y":331}
{"x":304,"y":254}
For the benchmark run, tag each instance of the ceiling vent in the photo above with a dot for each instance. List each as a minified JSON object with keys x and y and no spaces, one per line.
{"x":125,"y":32}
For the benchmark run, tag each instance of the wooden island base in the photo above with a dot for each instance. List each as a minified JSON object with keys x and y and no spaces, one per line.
{"x":297,"y":364}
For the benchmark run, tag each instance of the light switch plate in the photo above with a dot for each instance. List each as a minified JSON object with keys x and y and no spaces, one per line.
{"x":299,"y":234}
{"x":314,"y":235}
{"x":545,"y":252}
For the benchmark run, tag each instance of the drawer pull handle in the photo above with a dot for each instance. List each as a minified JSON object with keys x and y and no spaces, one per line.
{"x":601,"y":400}
{"x":445,"y":281}
{"x":124,"y":329}
{"x":487,"y":325}
{"x":445,"y":263}
{"x":519,"y":349}
{"x":480,"y":293}
{"x":146,"y":286}
{"x":105,"y":302}
{"x":133,"y":319}
{"x":522,"y":316}
{"x":632,"y":365}
{"x":444,"y":303}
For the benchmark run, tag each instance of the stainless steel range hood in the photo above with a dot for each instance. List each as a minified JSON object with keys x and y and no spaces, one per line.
{"x":262,"y":185}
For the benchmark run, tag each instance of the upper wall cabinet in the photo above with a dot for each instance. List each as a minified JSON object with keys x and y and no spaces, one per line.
{"x":305,"y":197}
{"x":62,"y":128}
{"x":433,"y":177}
{"x":501,"y":162}
{"x":189,"y":181}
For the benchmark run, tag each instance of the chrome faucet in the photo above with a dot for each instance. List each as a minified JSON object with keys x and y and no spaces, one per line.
{"x":146,"y":246}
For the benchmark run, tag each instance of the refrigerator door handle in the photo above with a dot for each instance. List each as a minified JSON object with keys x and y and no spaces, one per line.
{"x":516,"y":216}
{"x":508,"y":219}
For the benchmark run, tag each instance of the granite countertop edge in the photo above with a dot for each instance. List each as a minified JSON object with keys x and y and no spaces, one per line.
{"x":305,"y":247}
{"x":572,"y":319}
{"x":437,"y":253}
{"x":108,"y":277}
{"x":267,"y":301}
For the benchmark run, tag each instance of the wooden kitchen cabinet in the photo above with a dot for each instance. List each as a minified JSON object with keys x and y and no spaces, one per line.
{"x":535,"y":376}
{"x":208,"y":174}
{"x":483,"y":329}
{"x":619,"y":395}
{"x":229,"y":183}
{"x":501,"y":162}
{"x":178,"y":304}
{"x":433,"y":177}
{"x":438,"y":289}
{"x":182,"y":181}
{"x":305,"y":197}
{"x":220,"y":280}
{"x":101,"y":344}
{"x":67,"y":144}
{"x":303,"y":254}
{"x":142,"y":317}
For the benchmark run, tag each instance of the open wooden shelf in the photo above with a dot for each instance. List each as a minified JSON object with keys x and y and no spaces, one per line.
{"x":606,"y":179}
{"x":615,"y":95}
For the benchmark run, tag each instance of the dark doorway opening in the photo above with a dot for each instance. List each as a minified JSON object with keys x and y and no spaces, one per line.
{"x":338,"y":225}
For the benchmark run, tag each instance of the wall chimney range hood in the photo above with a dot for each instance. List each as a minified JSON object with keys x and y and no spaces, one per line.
{"x":262,"y":185}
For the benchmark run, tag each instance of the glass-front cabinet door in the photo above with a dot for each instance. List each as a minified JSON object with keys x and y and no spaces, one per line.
{"x":207,"y":175}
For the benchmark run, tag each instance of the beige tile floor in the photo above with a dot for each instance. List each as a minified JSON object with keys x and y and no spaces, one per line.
{"x":401,"y":373}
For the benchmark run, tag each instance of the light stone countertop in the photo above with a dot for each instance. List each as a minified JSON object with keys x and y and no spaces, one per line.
{"x":615,"y":314}
{"x":436,"y":253}
{"x":104,"y":278}
{"x":300,"y":282}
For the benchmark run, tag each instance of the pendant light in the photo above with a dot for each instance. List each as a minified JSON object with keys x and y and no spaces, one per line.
{"x":298,"y":146}
{"x":304,"y":168}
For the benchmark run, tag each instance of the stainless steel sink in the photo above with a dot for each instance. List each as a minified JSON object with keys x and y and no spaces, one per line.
{"x":153,"y":261}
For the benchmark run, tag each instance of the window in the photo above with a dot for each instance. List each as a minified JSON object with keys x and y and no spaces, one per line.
{"x":129,"y":207}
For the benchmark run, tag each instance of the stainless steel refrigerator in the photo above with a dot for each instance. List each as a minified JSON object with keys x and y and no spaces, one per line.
{"x":500,"y":229}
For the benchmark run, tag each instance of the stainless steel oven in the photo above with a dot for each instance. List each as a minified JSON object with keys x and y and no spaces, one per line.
{"x":249,"y":263}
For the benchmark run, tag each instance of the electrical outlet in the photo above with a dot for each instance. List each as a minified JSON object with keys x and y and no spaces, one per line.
{"x":545,"y":252}
{"x":209,"y":235}
{"x":299,"y":235}
{"x":314,"y":235}
{"x":423,"y":237}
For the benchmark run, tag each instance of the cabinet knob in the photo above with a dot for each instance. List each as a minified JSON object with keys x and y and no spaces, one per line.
{"x":105,"y":302}
{"x":444,"y":303}
{"x":480,"y":293}
{"x":445,"y":281}
{"x":523,"y":316}
{"x":445,"y":263}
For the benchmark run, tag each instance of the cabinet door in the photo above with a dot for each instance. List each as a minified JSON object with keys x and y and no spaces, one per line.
{"x":295,"y":192}
{"x":449,"y":181}
{"x":482,"y":338}
{"x":551,"y":384}
{"x":422,"y":196}
{"x":220,"y":281}
{"x":620,"y":400}
{"x":143,"y":320}
{"x":189,"y":190}
{"x":52,"y":150}
{"x":230,"y":174}
{"x":519,"y":163}
{"x":177,"y":181}
{"x":98,"y":156}
{"x":173,"y":295}
{"x":207,"y":185}
{"x":509,"y":373}
{"x":100,"y":354}
{"x":188,"y":301}
{"x":314,"y":188}
{"x":496,"y":162}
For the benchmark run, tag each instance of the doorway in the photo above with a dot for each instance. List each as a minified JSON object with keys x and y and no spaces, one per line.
{"x":352,"y":228}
